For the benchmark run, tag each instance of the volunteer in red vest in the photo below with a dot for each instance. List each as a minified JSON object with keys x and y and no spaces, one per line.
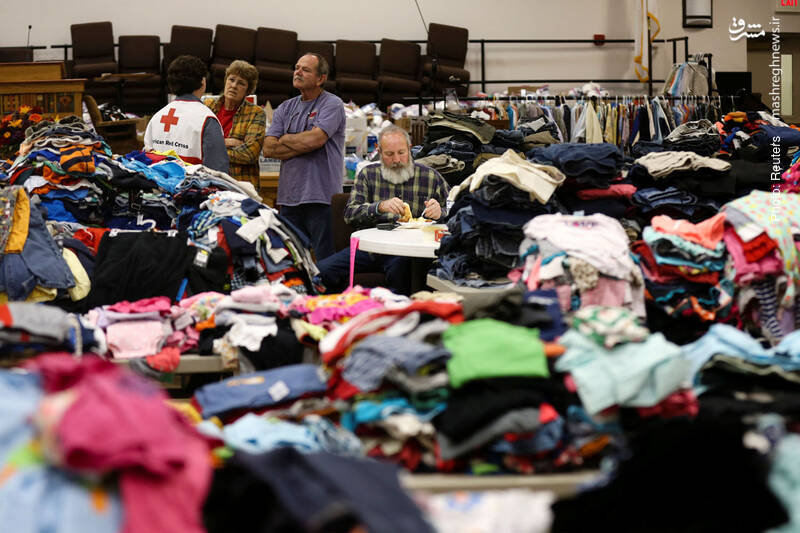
{"x":186,"y":125}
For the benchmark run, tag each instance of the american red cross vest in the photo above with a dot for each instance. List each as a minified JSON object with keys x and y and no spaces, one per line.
{"x":179,"y":126}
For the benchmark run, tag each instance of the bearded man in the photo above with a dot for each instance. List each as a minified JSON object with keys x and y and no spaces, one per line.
{"x":378,"y":195}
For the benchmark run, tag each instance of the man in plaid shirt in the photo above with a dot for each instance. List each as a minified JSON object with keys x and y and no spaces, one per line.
{"x":378,"y":194}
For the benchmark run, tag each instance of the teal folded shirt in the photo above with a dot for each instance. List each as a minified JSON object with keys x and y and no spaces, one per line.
{"x":636,"y":374}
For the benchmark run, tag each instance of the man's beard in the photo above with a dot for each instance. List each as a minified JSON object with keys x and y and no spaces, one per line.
{"x":398,"y":175}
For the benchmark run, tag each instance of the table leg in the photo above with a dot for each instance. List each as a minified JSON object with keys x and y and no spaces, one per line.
{"x":120,"y":95}
{"x":419,"y":273}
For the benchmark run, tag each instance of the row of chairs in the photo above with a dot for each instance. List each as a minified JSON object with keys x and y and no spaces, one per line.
{"x":358,"y":73}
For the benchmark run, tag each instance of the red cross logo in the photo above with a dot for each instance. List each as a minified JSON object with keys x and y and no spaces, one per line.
{"x":169,"y":119}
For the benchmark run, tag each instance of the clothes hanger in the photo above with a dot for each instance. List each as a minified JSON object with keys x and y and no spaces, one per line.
{"x":152,"y":229}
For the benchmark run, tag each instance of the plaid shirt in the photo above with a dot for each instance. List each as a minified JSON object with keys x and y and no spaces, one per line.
{"x":370,"y":189}
{"x":249,"y":126}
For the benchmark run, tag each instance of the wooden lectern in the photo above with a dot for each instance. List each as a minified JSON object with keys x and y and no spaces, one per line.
{"x":39,"y":84}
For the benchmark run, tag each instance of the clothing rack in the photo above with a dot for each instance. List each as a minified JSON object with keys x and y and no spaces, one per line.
{"x":483,"y":81}
{"x":533,"y":98}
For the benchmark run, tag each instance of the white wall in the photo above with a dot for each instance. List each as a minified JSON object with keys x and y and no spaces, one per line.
{"x":375,"y":19}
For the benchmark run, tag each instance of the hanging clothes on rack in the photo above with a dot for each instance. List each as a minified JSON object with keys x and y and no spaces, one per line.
{"x":689,"y":77}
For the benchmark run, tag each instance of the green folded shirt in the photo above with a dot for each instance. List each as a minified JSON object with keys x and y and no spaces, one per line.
{"x":488,"y":348}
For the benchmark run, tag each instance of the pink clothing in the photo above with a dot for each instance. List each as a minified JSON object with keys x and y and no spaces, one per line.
{"x":203,"y":297}
{"x":156,"y":303}
{"x":515,"y":275}
{"x":608,"y":291}
{"x":564,"y":293}
{"x":184,"y":340}
{"x":334,"y":314}
{"x":747,"y":271}
{"x":202,"y":305}
{"x":255,"y":295}
{"x":707,"y":233}
{"x":622,"y":190}
{"x":791,"y":179}
{"x":121,"y":423}
{"x":135,"y":338}
{"x":533,"y":277}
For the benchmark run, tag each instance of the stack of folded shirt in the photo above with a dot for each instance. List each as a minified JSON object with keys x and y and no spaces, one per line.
{"x":457,"y":136}
{"x":488,"y":213}
{"x":507,"y":407}
{"x":537,"y":133}
{"x":507,"y":139}
{"x":444,"y":124}
{"x":687,"y":171}
{"x":728,"y":363}
{"x":766,"y":259}
{"x":682,"y":265}
{"x":591,"y":170}
{"x":501,"y":142}
{"x":652,"y":201}
{"x":444,"y":164}
{"x":584,"y":258}
{"x":29,"y":328}
{"x":698,"y":136}
{"x":399,"y":383}
{"x":584,"y":165}
{"x":63,"y":168}
{"x":615,"y":362}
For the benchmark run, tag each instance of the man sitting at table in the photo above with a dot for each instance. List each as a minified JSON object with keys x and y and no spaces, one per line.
{"x":379,"y":193}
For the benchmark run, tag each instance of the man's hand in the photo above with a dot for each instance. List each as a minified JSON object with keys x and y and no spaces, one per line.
{"x":274,"y":149}
{"x":432,"y":210}
{"x":230,"y":142}
{"x":395,"y":205}
{"x":305,"y":141}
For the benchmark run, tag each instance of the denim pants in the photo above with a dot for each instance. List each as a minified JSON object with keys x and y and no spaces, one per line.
{"x":315,"y":221}
{"x":39,"y":263}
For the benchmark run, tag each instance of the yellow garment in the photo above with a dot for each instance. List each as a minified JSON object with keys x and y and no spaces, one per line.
{"x":334,"y":300}
{"x":302,"y":329}
{"x":736,"y":116}
{"x":82,"y":282}
{"x":611,"y":125}
{"x":38,"y":294}
{"x":186,"y":409}
{"x":168,"y":153}
{"x":19,"y":226}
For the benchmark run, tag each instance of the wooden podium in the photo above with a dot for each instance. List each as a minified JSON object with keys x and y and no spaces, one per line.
{"x":39,"y":84}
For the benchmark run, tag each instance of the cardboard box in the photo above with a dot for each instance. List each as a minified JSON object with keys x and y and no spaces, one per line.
{"x":516,"y":90}
{"x":416,"y":127}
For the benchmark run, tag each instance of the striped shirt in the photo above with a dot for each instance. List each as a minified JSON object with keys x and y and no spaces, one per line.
{"x":249,"y":126}
{"x":370,"y":189}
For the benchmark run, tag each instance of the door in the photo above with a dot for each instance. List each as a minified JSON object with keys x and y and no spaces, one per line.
{"x":760,"y":61}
